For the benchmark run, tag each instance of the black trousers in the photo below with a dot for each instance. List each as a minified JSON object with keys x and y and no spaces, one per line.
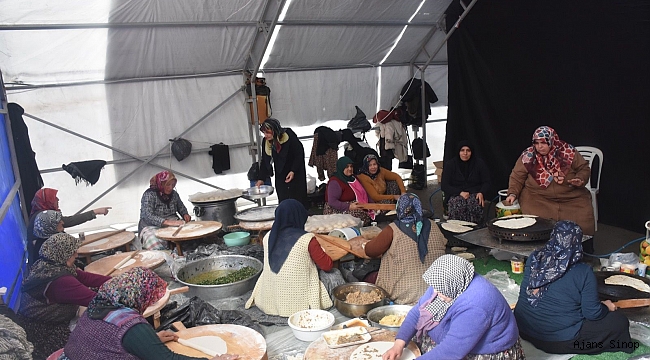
{"x":610,"y":334}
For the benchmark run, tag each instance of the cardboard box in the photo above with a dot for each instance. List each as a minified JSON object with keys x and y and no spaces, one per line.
{"x":438,"y":172}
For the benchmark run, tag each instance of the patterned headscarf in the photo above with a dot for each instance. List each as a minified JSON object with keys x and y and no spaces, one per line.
{"x":554,"y":259}
{"x":44,"y":199}
{"x":410,"y":221}
{"x":279,"y":134}
{"x":55,"y":253}
{"x":341,"y":164}
{"x":158,"y":182}
{"x":13,"y":341}
{"x":135,"y":289}
{"x":288,"y":226}
{"x":365,"y":168}
{"x":544,"y":168}
{"x":449,"y":275}
{"x":46,"y":223}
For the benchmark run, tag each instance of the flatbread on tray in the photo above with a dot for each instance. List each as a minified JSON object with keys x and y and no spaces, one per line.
{"x":515,"y":223}
{"x":625,"y":280}
{"x":455,"y":228}
{"x":461,"y":222}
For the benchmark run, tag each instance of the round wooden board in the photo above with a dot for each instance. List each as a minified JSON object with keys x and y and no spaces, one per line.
{"x":318,"y":350}
{"x":242,"y":341}
{"x":108,"y":243}
{"x":145,"y":258}
{"x":192,"y":230}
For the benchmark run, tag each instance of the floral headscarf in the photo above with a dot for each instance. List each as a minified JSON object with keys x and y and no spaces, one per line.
{"x":135,"y":289}
{"x":365,"y":168}
{"x":288,"y":227}
{"x":55,"y":253}
{"x":158,"y":183}
{"x":449,"y":275}
{"x":46,"y":223}
{"x":44,"y":199}
{"x":410,"y":221}
{"x":544,"y":168}
{"x":554,"y":259}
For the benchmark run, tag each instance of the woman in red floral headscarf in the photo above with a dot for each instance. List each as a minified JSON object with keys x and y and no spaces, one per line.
{"x":160,"y":206}
{"x":549,"y":181}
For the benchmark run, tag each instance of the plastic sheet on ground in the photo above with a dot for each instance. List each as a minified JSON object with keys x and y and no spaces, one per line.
{"x":507,"y":286}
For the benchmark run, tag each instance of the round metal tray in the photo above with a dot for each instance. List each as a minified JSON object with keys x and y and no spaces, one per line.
{"x":256,"y":214}
{"x":540,"y":231}
{"x":258,"y":192}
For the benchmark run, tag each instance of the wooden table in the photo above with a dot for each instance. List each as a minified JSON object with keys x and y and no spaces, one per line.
{"x":318,"y":350}
{"x":114,"y":241}
{"x":241,"y":340}
{"x":150,"y":259}
{"x":190,"y":231}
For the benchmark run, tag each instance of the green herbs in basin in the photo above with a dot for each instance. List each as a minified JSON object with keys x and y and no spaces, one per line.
{"x":221,"y":277}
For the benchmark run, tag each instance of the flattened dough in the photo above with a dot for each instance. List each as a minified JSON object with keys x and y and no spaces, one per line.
{"x":455,"y":228}
{"x":627,"y":281}
{"x":212,"y":342}
{"x":515,"y":223}
{"x":375,"y":350}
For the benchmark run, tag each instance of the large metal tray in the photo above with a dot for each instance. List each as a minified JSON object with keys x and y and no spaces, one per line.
{"x":540,"y":231}
{"x":258,"y":192}
{"x":256,"y":214}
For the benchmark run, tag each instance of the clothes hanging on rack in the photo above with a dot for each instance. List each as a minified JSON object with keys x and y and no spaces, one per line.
{"x":411,"y":95}
{"x":395,"y":139}
{"x":220,"y":157}
{"x":324,"y":162}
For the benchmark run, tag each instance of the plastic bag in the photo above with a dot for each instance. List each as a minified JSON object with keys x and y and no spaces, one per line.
{"x":507,"y":286}
{"x":640,"y":331}
{"x":181,"y":148}
{"x":197,"y":312}
{"x":624,"y":258}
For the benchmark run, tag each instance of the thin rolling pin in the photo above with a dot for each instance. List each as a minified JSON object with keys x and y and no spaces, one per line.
{"x":119,"y":264}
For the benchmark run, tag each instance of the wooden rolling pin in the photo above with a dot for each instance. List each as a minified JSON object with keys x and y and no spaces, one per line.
{"x":119,"y":264}
{"x":632,"y":303}
{"x":86,"y":242}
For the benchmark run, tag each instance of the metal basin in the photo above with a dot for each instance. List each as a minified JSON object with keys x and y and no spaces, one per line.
{"x":352,"y":310}
{"x":221,"y":262}
{"x":258,"y":192}
{"x":376,"y":314}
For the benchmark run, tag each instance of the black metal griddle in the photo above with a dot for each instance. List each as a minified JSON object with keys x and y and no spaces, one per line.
{"x":539,"y":231}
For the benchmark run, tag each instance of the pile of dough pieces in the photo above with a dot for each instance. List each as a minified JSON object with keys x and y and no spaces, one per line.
{"x":217,"y":195}
{"x":323,"y":224}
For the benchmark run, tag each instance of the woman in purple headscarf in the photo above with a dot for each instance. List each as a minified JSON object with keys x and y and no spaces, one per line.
{"x":558,"y":309}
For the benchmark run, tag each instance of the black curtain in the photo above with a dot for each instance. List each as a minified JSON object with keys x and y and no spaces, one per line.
{"x":581,"y":67}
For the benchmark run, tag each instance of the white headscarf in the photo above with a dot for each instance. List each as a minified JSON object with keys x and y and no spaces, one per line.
{"x":449,"y":275}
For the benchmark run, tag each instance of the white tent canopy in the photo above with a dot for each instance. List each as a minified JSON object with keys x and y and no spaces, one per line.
{"x":131,"y":75}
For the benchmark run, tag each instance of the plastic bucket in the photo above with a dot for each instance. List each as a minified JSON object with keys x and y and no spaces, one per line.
{"x":505,"y":210}
{"x":346,"y":233}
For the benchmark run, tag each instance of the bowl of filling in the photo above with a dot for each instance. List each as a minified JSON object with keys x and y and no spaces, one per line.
{"x":309,"y":325}
{"x":358,"y":298}
{"x":388,"y":317}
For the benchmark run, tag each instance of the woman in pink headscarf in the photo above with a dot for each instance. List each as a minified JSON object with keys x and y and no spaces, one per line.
{"x":160,"y":206}
{"x":549,"y":181}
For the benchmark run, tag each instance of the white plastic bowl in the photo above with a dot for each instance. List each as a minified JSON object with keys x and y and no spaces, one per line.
{"x":309,"y":325}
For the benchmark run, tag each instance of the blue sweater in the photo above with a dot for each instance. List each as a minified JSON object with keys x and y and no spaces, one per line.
{"x":560,"y":312}
{"x":479,"y":322}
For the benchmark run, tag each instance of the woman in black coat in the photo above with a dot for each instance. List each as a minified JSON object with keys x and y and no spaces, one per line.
{"x":283,"y":146}
{"x":465,"y":180}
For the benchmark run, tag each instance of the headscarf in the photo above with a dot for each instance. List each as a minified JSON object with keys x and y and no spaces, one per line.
{"x":288,"y":226}
{"x":135,"y":289}
{"x":341,"y":164}
{"x":13,"y":341}
{"x":365,"y":168}
{"x":157,"y":183}
{"x":552,"y":261}
{"x":44,"y":199}
{"x":557,"y":162}
{"x":46,"y":223}
{"x":55,"y":253}
{"x":449,"y":275}
{"x":409,"y":220}
{"x":280,"y":135}
{"x":465,"y":166}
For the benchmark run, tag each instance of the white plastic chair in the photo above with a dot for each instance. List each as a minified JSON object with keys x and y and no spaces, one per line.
{"x":590,"y":154}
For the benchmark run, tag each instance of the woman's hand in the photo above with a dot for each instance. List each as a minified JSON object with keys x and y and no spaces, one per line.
{"x":479,"y":198}
{"x":354,"y":205}
{"x":173,"y":222}
{"x":187,"y":218}
{"x":576,"y":182}
{"x":610,"y":305}
{"x":396,"y":197}
{"x":225,"y":357}
{"x":289,"y":177}
{"x":395,"y":352}
{"x":509,"y":200}
{"x":102,"y":210}
{"x":259,"y":183}
{"x":167,"y":335}
{"x":358,"y":243}
{"x":464,"y":195}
